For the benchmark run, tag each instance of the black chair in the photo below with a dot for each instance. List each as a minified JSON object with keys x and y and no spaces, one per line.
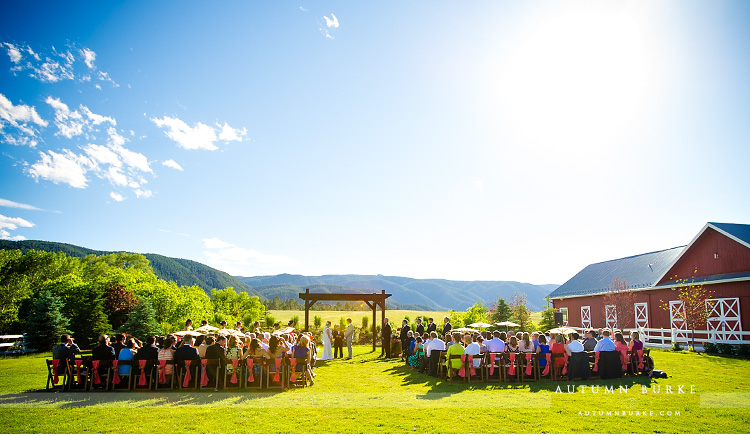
{"x":194,"y":368}
{"x":434,"y":363}
{"x":142,"y":374}
{"x":610,"y":365}
{"x":578,"y":366}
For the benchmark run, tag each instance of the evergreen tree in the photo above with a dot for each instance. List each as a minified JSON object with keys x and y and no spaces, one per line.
{"x":46,"y":323}
{"x":141,"y":321}
{"x":501,"y":311}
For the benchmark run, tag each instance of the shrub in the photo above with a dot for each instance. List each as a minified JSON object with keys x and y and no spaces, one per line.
{"x":743,"y":350}
{"x":342,"y":322}
{"x":270,"y":321}
{"x":710,"y":348}
{"x":727,"y":349}
{"x":676,"y":346}
{"x":317,"y":321}
{"x":295,"y":320}
{"x":365,"y":323}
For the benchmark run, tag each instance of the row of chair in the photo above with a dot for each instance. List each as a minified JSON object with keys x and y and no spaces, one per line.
{"x":524,"y":367}
{"x":253,"y":373}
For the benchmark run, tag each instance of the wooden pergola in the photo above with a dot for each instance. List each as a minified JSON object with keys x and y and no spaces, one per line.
{"x":372,"y":300}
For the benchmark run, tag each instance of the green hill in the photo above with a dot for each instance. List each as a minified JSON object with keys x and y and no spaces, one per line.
{"x":184,"y":272}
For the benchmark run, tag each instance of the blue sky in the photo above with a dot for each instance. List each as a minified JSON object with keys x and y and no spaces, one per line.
{"x":483,"y":141}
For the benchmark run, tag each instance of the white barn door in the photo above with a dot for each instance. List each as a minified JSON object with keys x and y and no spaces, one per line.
{"x":586,"y":317}
{"x":724,"y":319}
{"x":610,"y":312}
{"x":677,"y":320}
{"x":641,"y":315}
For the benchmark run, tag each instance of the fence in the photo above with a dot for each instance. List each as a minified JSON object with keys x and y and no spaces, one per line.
{"x":10,"y":344}
{"x":664,"y":338}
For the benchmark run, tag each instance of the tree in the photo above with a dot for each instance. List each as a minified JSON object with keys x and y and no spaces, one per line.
{"x":46,"y":323}
{"x":118,"y":303}
{"x":695,"y":303}
{"x":499,"y":311}
{"x":317,"y":322}
{"x":620,"y":301}
{"x":548,"y":317}
{"x":520,"y":314}
{"x":141,"y":321}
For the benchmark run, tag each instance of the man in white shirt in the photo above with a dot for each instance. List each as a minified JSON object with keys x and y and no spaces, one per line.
{"x":264,"y":341}
{"x":472,"y":348}
{"x":574,"y":346}
{"x":605,"y":344}
{"x":435,"y":344}
{"x":495,"y":345}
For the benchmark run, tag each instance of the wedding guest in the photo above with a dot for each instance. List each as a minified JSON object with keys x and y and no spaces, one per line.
{"x":472,"y":348}
{"x":302,"y":353}
{"x":416,"y":358}
{"x":404,"y":336}
{"x":126,"y":354}
{"x":558,"y":347}
{"x":431,"y":327}
{"x":385,"y":335}
{"x":256,"y":327}
{"x":202,"y":347}
{"x":233,"y":351}
{"x":526,"y":345}
{"x":622,"y":347}
{"x":482,"y":347}
{"x":453,"y":355}
{"x":217,"y":351}
{"x":605,"y":344}
{"x":119,"y":343}
{"x":447,"y":327}
{"x":542,"y":348}
{"x":512,"y":346}
{"x":65,"y":350}
{"x":149,"y":351}
{"x":535,"y":339}
{"x":420,"y":327}
{"x":188,"y":324}
{"x":590,"y":342}
{"x":496,"y":344}
{"x":186,"y":351}
{"x":103,"y":351}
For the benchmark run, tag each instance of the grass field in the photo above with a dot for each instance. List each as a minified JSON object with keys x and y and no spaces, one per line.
{"x":395,"y":316}
{"x":369,"y":395}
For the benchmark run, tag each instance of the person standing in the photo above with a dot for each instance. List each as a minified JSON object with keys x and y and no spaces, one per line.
{"x":420,"y":327}
{"x":385,"y":335}
{"x":431,"y":327}
{"x":338,"y":342}
{"x":327,"y":342}
{"x":404,"y":339}
{"x":447,"y":327}
{"x":349,"y":335}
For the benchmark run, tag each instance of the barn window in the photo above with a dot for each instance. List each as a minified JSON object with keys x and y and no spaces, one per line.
{"x":564,"y":311}
{"x":724,"y":319}
{"x":586,"y":317}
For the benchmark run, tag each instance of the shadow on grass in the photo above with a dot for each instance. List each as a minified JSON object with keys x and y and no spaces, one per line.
{"x":445,"y":388}
{"x":134,"y":399}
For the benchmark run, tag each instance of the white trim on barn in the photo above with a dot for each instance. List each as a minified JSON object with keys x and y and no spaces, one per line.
{"x":677,"y":320}
{"x":641,"y":315}
{"x":586,"y":317}
{"x":610,"y":316}
{"x":724,"y":318}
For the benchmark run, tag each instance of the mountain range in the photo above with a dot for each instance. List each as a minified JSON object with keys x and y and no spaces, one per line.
{"x":408,"y":293}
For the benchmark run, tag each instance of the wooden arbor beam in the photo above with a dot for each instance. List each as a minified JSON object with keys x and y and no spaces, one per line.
{"x":372,"y":300}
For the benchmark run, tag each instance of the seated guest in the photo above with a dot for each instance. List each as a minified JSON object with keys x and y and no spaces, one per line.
{"x":590,"y":342}
{"x":255,"y":350}
{"x":264,"y":340}
{"x":277,"y":347}
{"x":622,"y":347}
{"x":635,"y":345}
{"x":186,"y":351}
{"x":535,"y":339}
{"x":233,"y":351}
{"x":65,"y":351}
{"x":415,"y":359}
{"x":217,"y":352}
{"x":167,"y":353}
{"x":149,"y":351}
{"x":482,"y":347}
{"x":119,"y":343}
{"x":512,"y":346}
{"x":126,"y":354}
{"x":525,"y":343}
{"x":610,"y":365}
{"x":472,"y":348}
{"x":304,"y":357}
{"x":504,"y":337}
{"x":436,"y":346}
{"x":542,"y":348}
{"x":103,"y":351}
{"x":188,"y":324}
{"x":202,"y":347}
{"x":448,"y":340}
{"x":578,"y":362}
{"x":453,"y":355}
{"x":605,"y":343}
{"x":558,"y":347}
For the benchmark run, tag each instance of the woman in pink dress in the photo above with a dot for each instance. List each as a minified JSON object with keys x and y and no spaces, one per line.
{"x":622,"y":347}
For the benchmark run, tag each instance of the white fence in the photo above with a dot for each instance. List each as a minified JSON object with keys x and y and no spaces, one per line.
{"x":11,"y":344}
{"x":664,"y":338}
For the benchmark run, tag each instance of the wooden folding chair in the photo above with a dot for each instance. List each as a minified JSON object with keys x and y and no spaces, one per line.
{"x":164,"y":380}
{"x":592,"y":363}
{"x":547,"y":366}
{"x":188,"y":374}
{"x":211,"y":369}
{"x":100,"y":375}
{"x":78,"y":379}
{"x":142,"y":374}
{"x":57,"y":373}
{"x":442,"y":366}
{"x":295,"y":378}
{"x":557,"y":369}
{"x":495,"y":366}
{"x":233,"y":379}
{"x":479,"y":372}
{"x":250,"y":379}
{"x":276,"y":375}
{"x":526,"y":367}
{"x":512,"y":369}
{"x":121,"y":382}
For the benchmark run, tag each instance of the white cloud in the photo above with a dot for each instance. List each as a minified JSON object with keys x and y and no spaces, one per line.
{"x":115,"y":175}
{"x":13,"y":204}
{"x":235,"y":260}
{"x":73,"y":63}
{"x":101,"y":154}
{"x":4,"y":234}
{"x":117,"y":197}
{"x":88,"y":57}
{"x":172,"y":164}
{"x":13,"y":223}
{"x":143,"y":193}
{"x":13,"y":53}
{"x":72,"y":123}
{"x":22,"y":119}
{"x":229,"y":134}
{"x":66,"y":167}
{"x":332,"y":22}
{"x":200,"y":136}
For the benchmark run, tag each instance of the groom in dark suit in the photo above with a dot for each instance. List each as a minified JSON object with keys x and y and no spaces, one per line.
{"x":386,"y":338}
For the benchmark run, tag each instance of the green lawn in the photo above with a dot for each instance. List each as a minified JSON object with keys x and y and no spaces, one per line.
{"x":395,"y":316}
{"x":368,"y":395}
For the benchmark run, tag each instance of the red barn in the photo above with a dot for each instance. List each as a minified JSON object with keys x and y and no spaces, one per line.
{"x":718,"y":259}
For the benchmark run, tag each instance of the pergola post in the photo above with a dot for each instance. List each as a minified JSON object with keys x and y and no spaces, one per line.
{"x":307,"y":310}
{"x":382,"y":316}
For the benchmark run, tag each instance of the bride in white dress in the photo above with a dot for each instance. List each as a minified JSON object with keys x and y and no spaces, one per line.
{"x":327,"y":343}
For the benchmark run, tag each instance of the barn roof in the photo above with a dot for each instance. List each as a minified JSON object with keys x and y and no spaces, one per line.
{"x":738,"y":232}
{"x":641,"y":271}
